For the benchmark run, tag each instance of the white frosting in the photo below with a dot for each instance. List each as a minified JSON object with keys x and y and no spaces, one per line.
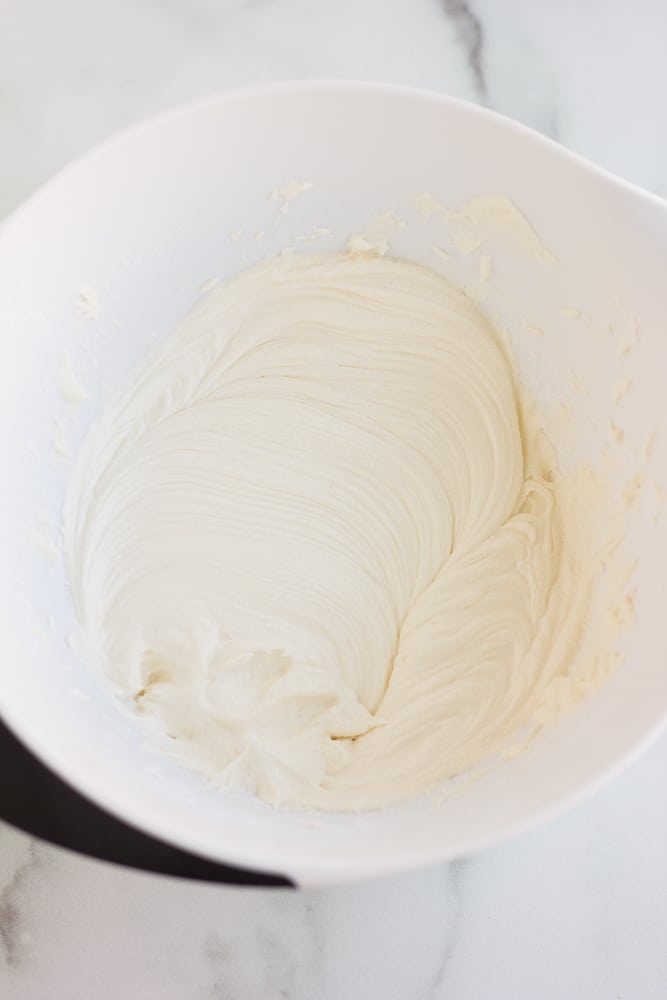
{"x":317,"y":545}
{"x":70,"y":386}
{"x":485,"y":220}
{"x":288,"y":192}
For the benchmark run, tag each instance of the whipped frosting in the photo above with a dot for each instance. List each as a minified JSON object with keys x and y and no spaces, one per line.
{"x":319,"y":544}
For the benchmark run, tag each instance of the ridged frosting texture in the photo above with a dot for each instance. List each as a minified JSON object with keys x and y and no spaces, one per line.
{"x":315,"y":545}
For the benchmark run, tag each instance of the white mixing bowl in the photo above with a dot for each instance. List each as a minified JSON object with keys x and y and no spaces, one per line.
{"x":144,"y":221}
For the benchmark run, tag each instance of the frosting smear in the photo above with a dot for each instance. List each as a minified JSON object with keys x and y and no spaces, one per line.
{"x":315,"y":542}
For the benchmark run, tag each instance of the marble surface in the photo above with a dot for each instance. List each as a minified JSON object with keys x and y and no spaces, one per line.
{"x":575,"y":910}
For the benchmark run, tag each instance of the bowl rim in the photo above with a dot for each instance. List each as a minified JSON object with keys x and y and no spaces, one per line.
{"x":311,"y":871}
{"x":322,"y":85}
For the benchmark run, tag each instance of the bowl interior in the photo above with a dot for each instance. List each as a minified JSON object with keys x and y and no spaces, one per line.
{"x":132,"y":232}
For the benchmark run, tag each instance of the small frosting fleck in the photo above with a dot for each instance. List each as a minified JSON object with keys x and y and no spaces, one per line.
{"x":88,"y":303}
{"x":69,"y":384}
{"x":288,"y":192}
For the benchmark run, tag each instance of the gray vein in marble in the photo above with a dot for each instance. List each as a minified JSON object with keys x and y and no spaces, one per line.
{"x":11,"y":938}
{"x":304,"y":910}
{"x":317,"y":935}
{"x":206,"y":17}
{"x":279,"y":962}
{"x":259,"y":948}
{"x":454,"y":874}
{"x":471,"y":34}
{"x":218,"y":955}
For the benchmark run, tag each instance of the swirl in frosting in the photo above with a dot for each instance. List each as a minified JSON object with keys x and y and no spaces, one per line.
{"x":316,"y":545}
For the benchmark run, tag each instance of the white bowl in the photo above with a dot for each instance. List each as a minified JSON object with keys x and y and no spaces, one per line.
{"x":145,"y":220}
